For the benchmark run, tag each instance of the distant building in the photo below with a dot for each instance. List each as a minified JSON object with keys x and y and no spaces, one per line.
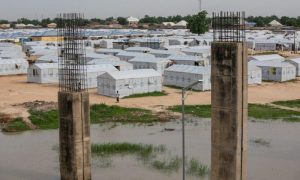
{"x":275,"y":23}
{"x":52,"y":25}
{"x":168,"y":23}
{"x":20,"y":26}
{"x":132,"y":20}
{"x":48,"y":36}
{"x":181,"y":24}
{"x":4,"y":26}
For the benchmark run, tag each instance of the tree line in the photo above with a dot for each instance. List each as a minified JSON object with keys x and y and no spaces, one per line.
{"x":259,"y":20}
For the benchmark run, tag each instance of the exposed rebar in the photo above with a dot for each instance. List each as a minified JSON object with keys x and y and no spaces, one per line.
{"x":71,"y":54}
{"x":229,"y":27}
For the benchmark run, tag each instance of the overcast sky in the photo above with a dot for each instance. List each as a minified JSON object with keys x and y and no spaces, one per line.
{"x":13,"y":9}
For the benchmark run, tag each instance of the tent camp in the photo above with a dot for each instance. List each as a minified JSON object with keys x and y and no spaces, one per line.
{"x":184,"y":75}
{"x":129,"y":82}
{"x":158,"y":64}
{"x":43,"y":73}
{"x":296,"y":63}
{"x":254,"y":74}
{"x":13,"y":66}
{"x":276,"y":71}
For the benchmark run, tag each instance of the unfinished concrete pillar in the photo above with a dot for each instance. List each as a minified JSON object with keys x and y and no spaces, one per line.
{"x":74,"y":136}
{"x":229,"y":109}
{"x":73,"y":100}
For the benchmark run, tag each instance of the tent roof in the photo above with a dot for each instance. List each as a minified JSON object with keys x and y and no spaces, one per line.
{"x":190,"y":69}
{"x":138,"y":73}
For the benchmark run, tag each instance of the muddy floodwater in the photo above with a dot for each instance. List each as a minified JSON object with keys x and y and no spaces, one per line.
{"x":31,"y":155}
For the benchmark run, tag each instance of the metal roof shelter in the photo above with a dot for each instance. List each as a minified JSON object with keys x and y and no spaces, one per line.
{"x":189,"y":60}
{"x":129,"y":82}
{"x":126,"y":56}
{"x":13,"y":66}
{"x":270,"y":57}
{"x":296,"y":63}
{"x":158,"y":64}
{"x":184,"y":75}
{"x":43,"y":73}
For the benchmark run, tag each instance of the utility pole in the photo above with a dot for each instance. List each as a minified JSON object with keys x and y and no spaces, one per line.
{"x":200,"y":1}
{"x":183,"y":122}
{"x":295,"y":48}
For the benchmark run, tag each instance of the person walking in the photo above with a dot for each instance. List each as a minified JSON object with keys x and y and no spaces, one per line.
{"x":118,"y":97}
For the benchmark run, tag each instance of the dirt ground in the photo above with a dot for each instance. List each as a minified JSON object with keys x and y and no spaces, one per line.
{"x":15,"y":90}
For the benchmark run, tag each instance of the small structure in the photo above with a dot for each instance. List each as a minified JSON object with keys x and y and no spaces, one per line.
{"x":184,"y":75}
{"x":129,"y":82}
{"x":189,"y":60}
{"x":202,"y":51}
{"x":296,"y":63}
{"x":52,"y":25}
{"x":181,"y":24}
{"x":254,"y":74}
{"x":132,"y":21}
{"x":275,"y":23}
{"x":43,"y":73}
{"x":158,"y":64}
{"x":13,"y":66}
{"x":112,"y":52}
{"x":105,"y":43}
{"x":276,"y":71}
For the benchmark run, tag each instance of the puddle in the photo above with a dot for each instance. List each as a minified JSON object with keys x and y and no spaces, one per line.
{"x":30,"y":155}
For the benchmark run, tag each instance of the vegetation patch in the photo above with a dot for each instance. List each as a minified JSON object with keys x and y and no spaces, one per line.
{"x":167,"y":165}
{"x":196,"y":168}
{"x":257,"y":111}
{"x":141,"y":150}
{"x":261,"y":142}
{"x":16,"y":126}
{"x":44,"y":119}
{"x":155,"y":93}
{"x":291,"y":104}
{"x":101,"y":113}
{"x":203,"y":111}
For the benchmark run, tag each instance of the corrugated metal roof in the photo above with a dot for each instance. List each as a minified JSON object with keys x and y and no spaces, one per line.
{"x":131,"y":74}
{"x":149,"y":59}
{"x":190,"y":69}
{"x":269,"y":57}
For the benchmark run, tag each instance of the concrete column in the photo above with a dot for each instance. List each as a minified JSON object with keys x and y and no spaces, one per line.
{"x":74,"y":136}
{"x":229,"y":111}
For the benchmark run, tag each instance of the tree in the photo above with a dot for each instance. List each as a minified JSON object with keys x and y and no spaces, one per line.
{"x":198,"y":23}
{"x":123,"y":21}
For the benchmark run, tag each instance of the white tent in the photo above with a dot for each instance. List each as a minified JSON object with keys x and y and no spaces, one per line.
{"x":276,"y":71}
{"x":296,"y":63}
{"x":13,"y":66}
{"x":254,"y":74}
{"x":184,"y":75}
{"x":275,"y":23}
{"x":43,"y":73}
{"x":93,"y":71}
{"x":270,"y":57}
{"x":189,"y":60}
{"x":129,"y":82}
{"x":118,"y":64}
{"x":158,"y":64}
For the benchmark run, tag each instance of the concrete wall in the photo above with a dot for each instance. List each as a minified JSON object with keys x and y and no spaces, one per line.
{"x":229,"y":111}
{"x":74,"y":136}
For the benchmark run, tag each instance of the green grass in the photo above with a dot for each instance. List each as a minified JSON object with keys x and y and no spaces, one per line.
{"x":16,"y":126}
{"x":261,"y":142}
{"x":167,"y":165}
{"x":291,"y":104}
{"x":196,"y":110}
{"x":101,"y":113}
{"x":44,"y":119}
{"x":110,"y":149}
{"x":156,"y":93}
{"x":195,"y":168}
{"x":257,"y":111}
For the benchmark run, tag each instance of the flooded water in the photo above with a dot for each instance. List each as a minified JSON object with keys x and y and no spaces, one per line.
{"x":30,"y":155}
